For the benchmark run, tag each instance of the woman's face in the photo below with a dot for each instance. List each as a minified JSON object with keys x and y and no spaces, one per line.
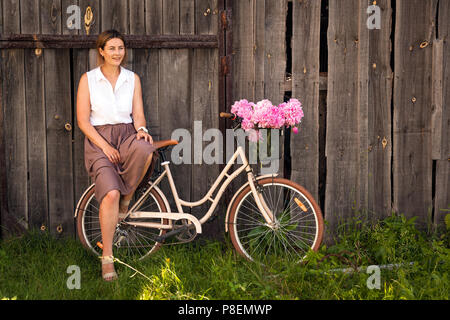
{"x":113,"y":52}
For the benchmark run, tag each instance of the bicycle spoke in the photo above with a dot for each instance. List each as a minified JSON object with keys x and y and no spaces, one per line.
{"x":133,"y":241}
{"x":294,"y":231}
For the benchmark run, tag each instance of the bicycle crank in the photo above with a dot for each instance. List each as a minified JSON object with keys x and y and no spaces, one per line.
{"x":177,"y":231}
{"x":188,"y":235}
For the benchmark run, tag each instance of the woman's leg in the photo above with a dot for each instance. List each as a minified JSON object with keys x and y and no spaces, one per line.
{"x":109,"y":214}
{"x":123,"y":207}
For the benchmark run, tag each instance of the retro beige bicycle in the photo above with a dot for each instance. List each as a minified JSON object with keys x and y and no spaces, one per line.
{"x":267,"y":218}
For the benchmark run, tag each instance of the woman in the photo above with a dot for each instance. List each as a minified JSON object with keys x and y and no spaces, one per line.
{"x":117,"y":149}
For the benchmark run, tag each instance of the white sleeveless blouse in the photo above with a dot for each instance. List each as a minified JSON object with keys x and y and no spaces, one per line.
{"x":110,"y":106}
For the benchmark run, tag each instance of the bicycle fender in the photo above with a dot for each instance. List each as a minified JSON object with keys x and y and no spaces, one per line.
{"x":240,"y":189}
{"x":163,"y":197}
{"x":82,"y":198}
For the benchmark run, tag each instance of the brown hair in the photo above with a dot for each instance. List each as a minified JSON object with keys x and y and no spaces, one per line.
{"x":103,"y":38}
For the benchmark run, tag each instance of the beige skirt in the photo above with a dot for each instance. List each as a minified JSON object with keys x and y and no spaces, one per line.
{"x":123,"y":176}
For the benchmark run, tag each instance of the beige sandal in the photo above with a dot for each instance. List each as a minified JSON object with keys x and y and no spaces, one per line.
{"x":110,"y":276}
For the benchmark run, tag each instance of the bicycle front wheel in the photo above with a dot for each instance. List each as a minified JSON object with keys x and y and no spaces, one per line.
{"x":298,"y":225}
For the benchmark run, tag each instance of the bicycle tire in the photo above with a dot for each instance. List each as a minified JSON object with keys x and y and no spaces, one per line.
{"x":296,"y":231}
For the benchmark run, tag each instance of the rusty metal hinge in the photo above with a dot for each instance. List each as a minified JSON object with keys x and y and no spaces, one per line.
{"x":223,"y":19}
{"x":225,"y":65}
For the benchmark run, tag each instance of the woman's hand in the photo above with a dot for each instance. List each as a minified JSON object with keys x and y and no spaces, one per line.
{"x":112,"y":154}
{"x":141,"y":134}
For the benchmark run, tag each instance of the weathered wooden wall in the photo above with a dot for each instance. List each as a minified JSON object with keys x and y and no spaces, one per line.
{"x":45,"y":162}
{"x":381,"y":94}
{"x":373,"y":164}
{"x":358,"y":138}
{"x":440,"y":117}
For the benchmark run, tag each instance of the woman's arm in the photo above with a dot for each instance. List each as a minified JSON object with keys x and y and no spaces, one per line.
{"x":138,"y":110}
{"x":83,"y":115}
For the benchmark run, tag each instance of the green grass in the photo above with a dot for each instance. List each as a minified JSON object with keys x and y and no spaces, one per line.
{"x":34,"y":266}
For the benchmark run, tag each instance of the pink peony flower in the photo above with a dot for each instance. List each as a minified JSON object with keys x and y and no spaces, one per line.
{"x":243,"y":109}
{"x":246,"y":124}
{"x":275,"y":117}
{"x":265,"y":115}
{"x":293,"y":112}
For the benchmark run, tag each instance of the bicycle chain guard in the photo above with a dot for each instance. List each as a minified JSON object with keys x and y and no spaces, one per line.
{"x":188,"y":235}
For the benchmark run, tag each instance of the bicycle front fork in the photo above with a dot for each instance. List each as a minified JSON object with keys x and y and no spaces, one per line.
{"x":268,"y":215}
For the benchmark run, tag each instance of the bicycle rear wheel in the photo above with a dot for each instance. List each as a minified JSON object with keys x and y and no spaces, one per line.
{"x":298,"y":223}
{"x":129,"y":240}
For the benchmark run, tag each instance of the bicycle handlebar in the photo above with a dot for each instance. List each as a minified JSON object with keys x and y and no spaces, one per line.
{"x":227,"y":115}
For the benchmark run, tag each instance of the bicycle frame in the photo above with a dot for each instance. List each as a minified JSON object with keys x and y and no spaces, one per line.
{"x":262,"y":206}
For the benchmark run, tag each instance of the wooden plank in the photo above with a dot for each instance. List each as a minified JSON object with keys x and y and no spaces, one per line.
{"x":153,"y":16}
{"x":146,"y":65}
{"x":65,"y":16}
{"x":80,"y":65}
{"x":243,"y":64}
{"x":1,"y":17}
{"x":342,"y":140}
{"x":50,"y":11}
{"x":92,"y":63}
{"x":137,"y":17}
{"x":361,"y":40}
{"x":275,"y":50}
{"x":437,"y":125}
{"x":3,"y":182}
{"x":171,"y":17}
{"x":259,"y":52}
{"x":174,"y":97}
{"x":412,"y":169}
{"x":15,"y":217}
{"x":174,"y":111}
{"x":29,"y":16}
{"x":85,"y":42}
{"x":275,"y":13}
{"x":444,"y":32}
{"x":442,"y":197}
{"x":441,"y":92}
{"x":95,"y":26}
{"x":37,"y":153}
{"x":205,"y":108}
{"x":114,"y":15}
{"x":36,"y":133}
{"x":11,"y":17}
{"x":206,"y":17}
{"x":305,"y":88}
{"x":59,"y":140}
{"x":243,"y":48}
{"x":140,"y":44}
{"x":379,"y":146}
{"x":187,"y":13}
{"x":186,"y":17}
{"x":15,"y":138}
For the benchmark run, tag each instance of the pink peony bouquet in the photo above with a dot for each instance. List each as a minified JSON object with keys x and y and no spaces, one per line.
{"x":266,"y":115}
